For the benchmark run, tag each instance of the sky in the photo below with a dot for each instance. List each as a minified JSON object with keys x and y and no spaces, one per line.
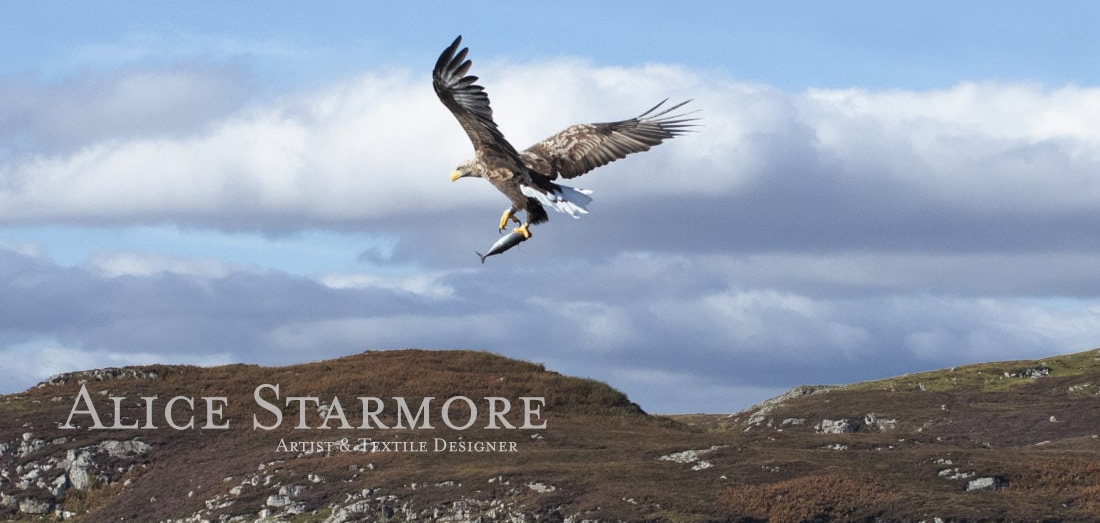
{"x":873,"y":189}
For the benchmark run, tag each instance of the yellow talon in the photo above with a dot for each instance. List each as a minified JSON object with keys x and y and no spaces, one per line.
{"x":508,"y":215}
{"x":522,"y":229}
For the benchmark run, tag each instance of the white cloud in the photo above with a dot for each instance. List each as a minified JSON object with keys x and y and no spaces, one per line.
{"x":662,"y":391}
{"x":29,"y":250}
{"x":1039,"y":273}
{"x":426,"y":284}
{"x":797,"y":237}
{"x":380,"y":145}
{"x":392,"y":331}
{"x":113,"y":265}
{"x":36,"y":360}
{"x":984,"y":329}
{"x":767,"y":322}
{"x":986,"y":146}
{"x":601,"y":326}
{"x":660,"y":323}
{"x":54,"y":120}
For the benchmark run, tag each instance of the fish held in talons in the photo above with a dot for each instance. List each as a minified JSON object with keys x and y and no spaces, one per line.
{"x":503,"y":244}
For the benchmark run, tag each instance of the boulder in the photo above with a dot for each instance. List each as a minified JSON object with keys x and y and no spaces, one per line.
{"x":79,"y":461}
{"x":278,"y":501}
{"x":36,"y":506}
{"x":124,"y":449}
{"x":843,"y":426}
{"x":987,"y":483}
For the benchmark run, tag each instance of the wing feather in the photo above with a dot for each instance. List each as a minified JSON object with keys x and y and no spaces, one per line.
{"x":469,"y":103}
{"x":581,"y":148}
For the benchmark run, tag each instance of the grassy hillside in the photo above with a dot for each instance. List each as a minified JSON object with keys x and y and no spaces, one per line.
{"x":1021,"y":436}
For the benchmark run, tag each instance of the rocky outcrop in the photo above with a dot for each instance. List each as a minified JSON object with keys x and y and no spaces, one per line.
{"x":760,"y":411}
{"x":377,"y":504}
{"x":1039,"y":371}
{"x":106,"y":374}
{"x":848,"y":426}
{"x":762,"y":415}
{"x":38,"y":478}
{"x":691,"y":457}
{"x":932,"y":452}
{"x":987,"y":483}
{"x":33,"y":492}
{"x":840,"y":426}
{"x":872,"y":420}
{"x":36,"y":506}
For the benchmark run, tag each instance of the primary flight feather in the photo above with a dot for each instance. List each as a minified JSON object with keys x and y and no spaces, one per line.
{"x":526,"y":177}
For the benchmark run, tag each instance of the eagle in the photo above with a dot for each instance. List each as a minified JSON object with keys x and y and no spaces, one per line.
{"x":527,"y":177}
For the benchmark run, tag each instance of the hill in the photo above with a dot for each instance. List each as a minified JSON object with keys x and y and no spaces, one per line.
{"x":468,"y":436}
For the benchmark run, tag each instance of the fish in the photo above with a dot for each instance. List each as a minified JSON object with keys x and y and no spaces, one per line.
{"x":503,"y":244}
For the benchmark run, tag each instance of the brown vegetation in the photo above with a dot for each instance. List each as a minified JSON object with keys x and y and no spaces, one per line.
{"x":827,"y":497}
{"x":602,"y":455}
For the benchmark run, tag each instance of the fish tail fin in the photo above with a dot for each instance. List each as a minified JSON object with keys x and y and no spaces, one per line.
{"x":482,"y":256}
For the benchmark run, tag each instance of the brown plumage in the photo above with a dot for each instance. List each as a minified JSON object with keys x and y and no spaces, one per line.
{"x":526,"y":177}
{"x":583,"y":147}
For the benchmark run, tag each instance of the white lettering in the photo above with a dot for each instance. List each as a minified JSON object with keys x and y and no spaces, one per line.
{"x":168,"y":413}
{"x":270,"y":407}
{"x":372,"y":414}
{"x":149,"y":412}
{"x":403,"y":409}
{"x":118,"y":414}
{"x":83,"y":395}
{"x":211,"y":411}
{"x":336,"y":411}
{"x":529,"y":411}
{"x":495,"y":414}
{"x":447,"y":413}
{"x":302,"y":400}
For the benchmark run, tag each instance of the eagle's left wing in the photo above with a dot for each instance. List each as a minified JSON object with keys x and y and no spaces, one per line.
{"x":581,"y":148}
{"x":469,"y":103}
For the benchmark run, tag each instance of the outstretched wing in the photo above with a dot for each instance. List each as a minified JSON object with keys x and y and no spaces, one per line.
{"x":470,"y":104}
{"x":581,"y":148}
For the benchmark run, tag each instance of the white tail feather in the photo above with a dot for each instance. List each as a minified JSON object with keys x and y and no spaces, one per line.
{"x":567,"y":200}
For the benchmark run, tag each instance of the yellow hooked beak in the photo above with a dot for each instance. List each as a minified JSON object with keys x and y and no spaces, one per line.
{"x":456,"y":175}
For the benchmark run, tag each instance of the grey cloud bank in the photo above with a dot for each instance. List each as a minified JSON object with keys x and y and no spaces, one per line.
{"x":822,"y":236}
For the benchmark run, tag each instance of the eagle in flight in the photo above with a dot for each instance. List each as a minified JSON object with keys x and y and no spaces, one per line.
{"x":527,"y":177}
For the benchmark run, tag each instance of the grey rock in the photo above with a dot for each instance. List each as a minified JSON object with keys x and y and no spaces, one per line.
{"x":761,"y":410}
{"x":79,"y":463}
{"x":986,"y":483}
{"x":124,"y":449}
{"x":843,"y":426}
{"x":30,"y":447}
{"x":36,"y":506}
{"x":59,"y":486}
{"x":111,"y":373}
{"x":872,"y":420}
{"x":291,"y":491}
{"x":278,"y":501}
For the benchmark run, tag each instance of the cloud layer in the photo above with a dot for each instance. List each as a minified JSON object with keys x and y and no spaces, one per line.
{"x":820,"y":236}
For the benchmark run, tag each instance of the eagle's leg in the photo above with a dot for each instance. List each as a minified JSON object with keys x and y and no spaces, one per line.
{"x":509,"y":214}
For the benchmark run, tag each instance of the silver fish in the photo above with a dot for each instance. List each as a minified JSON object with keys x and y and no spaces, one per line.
{"x":503,"y":244}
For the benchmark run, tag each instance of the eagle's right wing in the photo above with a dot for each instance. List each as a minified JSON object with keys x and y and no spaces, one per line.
{"x":581,"y":148}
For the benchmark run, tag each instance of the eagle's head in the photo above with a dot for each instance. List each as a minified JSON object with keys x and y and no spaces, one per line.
{"x":469,"y":168}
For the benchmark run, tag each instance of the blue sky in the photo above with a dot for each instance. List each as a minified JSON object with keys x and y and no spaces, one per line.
{"x":875,"y":189}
